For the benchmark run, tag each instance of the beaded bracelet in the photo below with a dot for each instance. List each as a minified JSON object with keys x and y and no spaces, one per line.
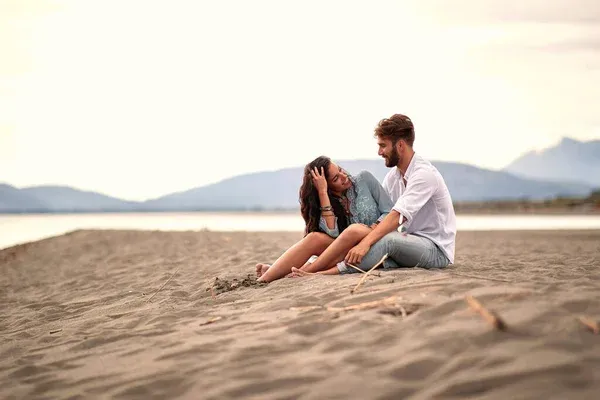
{"x":327,"y":208}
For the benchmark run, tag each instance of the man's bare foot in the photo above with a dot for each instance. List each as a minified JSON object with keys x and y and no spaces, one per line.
{"x":261,"y":269}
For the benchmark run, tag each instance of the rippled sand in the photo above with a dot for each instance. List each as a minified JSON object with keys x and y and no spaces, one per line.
{"x":83,"y":317}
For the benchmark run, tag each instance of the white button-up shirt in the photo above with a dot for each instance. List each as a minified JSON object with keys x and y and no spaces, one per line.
{"x":425,"y":202}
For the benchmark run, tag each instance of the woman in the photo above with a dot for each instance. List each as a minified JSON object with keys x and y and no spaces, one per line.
{"x":332,"y":203}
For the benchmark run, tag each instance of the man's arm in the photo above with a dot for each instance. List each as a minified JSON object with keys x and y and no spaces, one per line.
{"x":389,"y":224}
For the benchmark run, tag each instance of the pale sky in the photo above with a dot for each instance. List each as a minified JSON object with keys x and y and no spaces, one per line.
{"x":141,"y":98}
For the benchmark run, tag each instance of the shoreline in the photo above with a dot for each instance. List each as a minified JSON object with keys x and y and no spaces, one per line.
{"x":19,"y":229}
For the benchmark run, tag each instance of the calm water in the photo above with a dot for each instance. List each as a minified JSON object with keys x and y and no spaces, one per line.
{"x":15,"y":229}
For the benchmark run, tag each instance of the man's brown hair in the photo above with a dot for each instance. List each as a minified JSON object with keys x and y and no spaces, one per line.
{"x":396,"y":127}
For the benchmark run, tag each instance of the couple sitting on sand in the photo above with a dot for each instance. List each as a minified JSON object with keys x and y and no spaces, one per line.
{"x":352,"y":221}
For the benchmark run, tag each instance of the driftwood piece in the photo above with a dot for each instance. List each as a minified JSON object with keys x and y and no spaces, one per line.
{"x":488,"y":315}
{"x":402,"y":310}
{"x":387,"y":302}
{"x":590,"y":324}
{"x":164,"y":284}
{"x":367,"y":274}
{"x":360,"y":270}
{"x":306,"y":308}
{"x":388,"y":305}
{"x":210,"y":321}
{"x":480,"y":277}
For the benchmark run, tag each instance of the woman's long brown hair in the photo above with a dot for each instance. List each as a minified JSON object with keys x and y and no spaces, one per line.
{"x":310,"y":205}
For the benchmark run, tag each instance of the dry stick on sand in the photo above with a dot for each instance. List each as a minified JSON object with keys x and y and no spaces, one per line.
{"x":368,"y":272}
{"x":164,"y":284}
{"x":402,"y":310}
{"x":387,"y":302}
{"x":358,"y":269}
{"x":210,"y":321}
{"x":489,"y":316}
{"x":590,"y":323}
{"x":480,"y":277}
{"x":306,"y":308}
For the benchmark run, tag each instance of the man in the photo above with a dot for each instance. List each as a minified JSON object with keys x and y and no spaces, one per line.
{"x":423,"y":207}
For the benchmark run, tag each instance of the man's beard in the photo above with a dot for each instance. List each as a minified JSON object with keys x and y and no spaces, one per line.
{"x":393,"y":158}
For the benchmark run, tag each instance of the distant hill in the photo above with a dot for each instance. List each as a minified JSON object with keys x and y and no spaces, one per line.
{"x":279,"y":190}
{"x":15,"y":200}
{"x":58,"y":199}
{"x":570,"y":160}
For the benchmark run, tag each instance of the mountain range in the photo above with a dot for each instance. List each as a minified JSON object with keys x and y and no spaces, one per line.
{"x":570,"y":160}
{"x":571,"y":168}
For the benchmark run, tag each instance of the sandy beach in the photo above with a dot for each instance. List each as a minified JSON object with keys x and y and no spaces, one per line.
{"x":136,"y":314}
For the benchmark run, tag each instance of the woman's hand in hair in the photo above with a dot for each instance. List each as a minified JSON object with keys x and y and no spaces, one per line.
{"x":319,"y":180}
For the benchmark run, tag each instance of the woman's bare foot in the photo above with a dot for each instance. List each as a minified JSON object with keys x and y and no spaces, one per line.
{"x":261,"y":268}
{"x":297,"y":272}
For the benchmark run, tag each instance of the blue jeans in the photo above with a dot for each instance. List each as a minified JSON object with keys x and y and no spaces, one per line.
{"x":403,"y":250}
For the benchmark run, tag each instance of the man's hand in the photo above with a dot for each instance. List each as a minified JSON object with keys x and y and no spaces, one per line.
{"x":356,"y":254}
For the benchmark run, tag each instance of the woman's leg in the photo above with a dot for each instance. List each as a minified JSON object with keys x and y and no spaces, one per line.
{"x":297,"y":255}
{"x":336,"y":252}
